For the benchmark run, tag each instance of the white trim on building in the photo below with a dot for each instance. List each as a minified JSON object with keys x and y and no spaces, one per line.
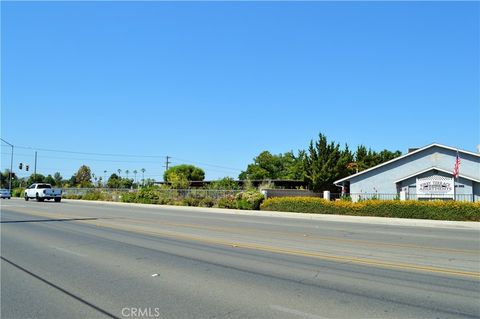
{"x":437,"y":169}
{"x":407,"y":155}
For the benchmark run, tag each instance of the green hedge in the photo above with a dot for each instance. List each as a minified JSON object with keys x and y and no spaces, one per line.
{"x":440,"y":210}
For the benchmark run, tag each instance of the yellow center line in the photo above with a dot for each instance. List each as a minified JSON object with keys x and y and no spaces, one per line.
{"x":232,"y":230}
{"x":272,"y":249}
{"x":303,"y":253}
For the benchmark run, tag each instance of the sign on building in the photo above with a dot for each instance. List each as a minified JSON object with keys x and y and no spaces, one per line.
{"x":435,"y":186}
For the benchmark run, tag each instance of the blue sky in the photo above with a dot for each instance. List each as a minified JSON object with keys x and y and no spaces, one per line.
{"x":216,"y":83}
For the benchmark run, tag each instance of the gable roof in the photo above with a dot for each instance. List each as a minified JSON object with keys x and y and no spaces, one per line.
{"x":407,"y":155}
{"x":437,"y":169}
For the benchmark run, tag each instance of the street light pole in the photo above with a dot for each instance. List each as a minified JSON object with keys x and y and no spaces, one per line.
{"x":11,"y":166}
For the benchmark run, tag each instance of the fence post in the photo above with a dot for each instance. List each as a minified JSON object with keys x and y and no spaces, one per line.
{"x":326,"y":195}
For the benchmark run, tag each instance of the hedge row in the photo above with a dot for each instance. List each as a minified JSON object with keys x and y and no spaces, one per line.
{"x":244,"y":200}
{"x":250,"y":199}
{"x":440,"y":210}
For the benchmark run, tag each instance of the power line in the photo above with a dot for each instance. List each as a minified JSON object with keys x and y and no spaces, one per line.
{"x":87,"y":153}
{"x":89,"y":159}
{"x":206,"y":164}
{"x":220,"y":168}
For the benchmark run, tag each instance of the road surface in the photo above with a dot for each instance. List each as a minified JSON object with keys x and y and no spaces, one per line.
{"x":93,"y":260}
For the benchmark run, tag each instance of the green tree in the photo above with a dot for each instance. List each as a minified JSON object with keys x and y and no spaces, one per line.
{"x":143,"y":176}
{"x":126,"y":182}
{"x":178,"y":180}
{"x":49,"y":180}
{"x":35,"y":178}
{"x":226,"y":183}
{"x":4,"y":179}
{"x":58,"y":179}
{"x":367,"y":158}
{"x":83,"y":177}
{"x":114,"y":181}
{"x":267,"y":166}
{"x":190,"y":172}
{"x":324,"y":163}
{"x":135,"y":176}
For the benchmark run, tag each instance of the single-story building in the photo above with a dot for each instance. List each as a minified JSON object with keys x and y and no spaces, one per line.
{"x":423,"y":173}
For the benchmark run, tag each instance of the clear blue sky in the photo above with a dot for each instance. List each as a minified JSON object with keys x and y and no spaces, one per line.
{"x":219,"y":82}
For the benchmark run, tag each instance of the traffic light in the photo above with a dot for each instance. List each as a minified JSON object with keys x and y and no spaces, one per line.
{"x":20,"y":166}
{"x":26,"y":168}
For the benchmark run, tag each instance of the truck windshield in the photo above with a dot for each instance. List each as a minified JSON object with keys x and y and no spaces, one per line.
{"x":44,"y":186}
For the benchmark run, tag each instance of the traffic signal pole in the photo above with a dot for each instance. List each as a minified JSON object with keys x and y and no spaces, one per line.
{"x":11,"y":167}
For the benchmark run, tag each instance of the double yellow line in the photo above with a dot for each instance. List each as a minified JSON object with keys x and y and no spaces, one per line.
{"x":265,"y":248}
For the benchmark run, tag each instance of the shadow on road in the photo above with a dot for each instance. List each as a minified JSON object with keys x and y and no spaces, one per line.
{"x":44,"y":220}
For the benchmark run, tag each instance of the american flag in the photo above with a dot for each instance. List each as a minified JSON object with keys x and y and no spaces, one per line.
{"x":456,"y":168}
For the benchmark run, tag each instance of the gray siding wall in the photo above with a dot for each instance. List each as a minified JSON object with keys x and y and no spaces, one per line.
{"x":382,"y":179}
{"x":476,"y":191}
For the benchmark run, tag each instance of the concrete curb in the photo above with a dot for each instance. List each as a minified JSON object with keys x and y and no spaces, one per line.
{"x":320,"y":217}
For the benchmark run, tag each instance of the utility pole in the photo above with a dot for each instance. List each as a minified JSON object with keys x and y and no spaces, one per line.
{"x":11,"y":167}
{"x":35,"y":168}
{"x":167,"y":162}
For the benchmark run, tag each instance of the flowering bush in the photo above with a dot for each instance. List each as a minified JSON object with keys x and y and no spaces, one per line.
{"x":441,"y":210}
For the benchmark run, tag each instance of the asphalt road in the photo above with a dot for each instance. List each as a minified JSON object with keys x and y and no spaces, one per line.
{"x":93,"y":260}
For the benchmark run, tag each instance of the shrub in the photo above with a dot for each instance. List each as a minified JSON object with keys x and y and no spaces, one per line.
{"x":94,"y":195}
{"x":249,"y":199}
{"x":148,"y":195}
{"x":228,"y":201}
{"x":72,"y":196}
{"x":18,"y":192}
{"x":129,"y":197}
{"x":207,"y":202}
{"x":191,"y":201}
{"x":440,"y":210}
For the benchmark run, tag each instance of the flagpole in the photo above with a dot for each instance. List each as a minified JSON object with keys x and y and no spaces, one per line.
{"x":458,"y":185}
{"x":456,"y":175}
{"x":454,"y":189}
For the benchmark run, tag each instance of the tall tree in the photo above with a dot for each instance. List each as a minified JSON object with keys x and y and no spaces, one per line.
{"x":114,"y":181}
{"x":83,"y":177}
{"x":267,"y":166}
{"x":190,"y":172}
{"x":50,"y":180}
{"x":143,"y":176}
{"x":58,"y":179}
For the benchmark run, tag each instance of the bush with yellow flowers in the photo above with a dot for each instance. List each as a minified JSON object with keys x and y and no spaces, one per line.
{"x":440,"y":210}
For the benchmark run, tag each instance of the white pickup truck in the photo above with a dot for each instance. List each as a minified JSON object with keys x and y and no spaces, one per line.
{"x":42,"y":191}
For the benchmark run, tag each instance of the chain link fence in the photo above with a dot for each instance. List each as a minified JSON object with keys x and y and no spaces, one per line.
{"x":384,"y":196}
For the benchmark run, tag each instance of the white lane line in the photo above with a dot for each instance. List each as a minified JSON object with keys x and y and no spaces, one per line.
{"x":68,"y":251}
{"x":296,"y":312}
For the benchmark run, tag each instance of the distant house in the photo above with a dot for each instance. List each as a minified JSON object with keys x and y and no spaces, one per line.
{"x":423,"y":173}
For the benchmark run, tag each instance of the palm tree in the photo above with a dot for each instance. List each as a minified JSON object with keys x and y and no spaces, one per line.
{"x":119,"y":177}
{"x":104,"y":177}
{"x":143,"y":176}
{"x":135,"y":173}
{"x":126,"y":172}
